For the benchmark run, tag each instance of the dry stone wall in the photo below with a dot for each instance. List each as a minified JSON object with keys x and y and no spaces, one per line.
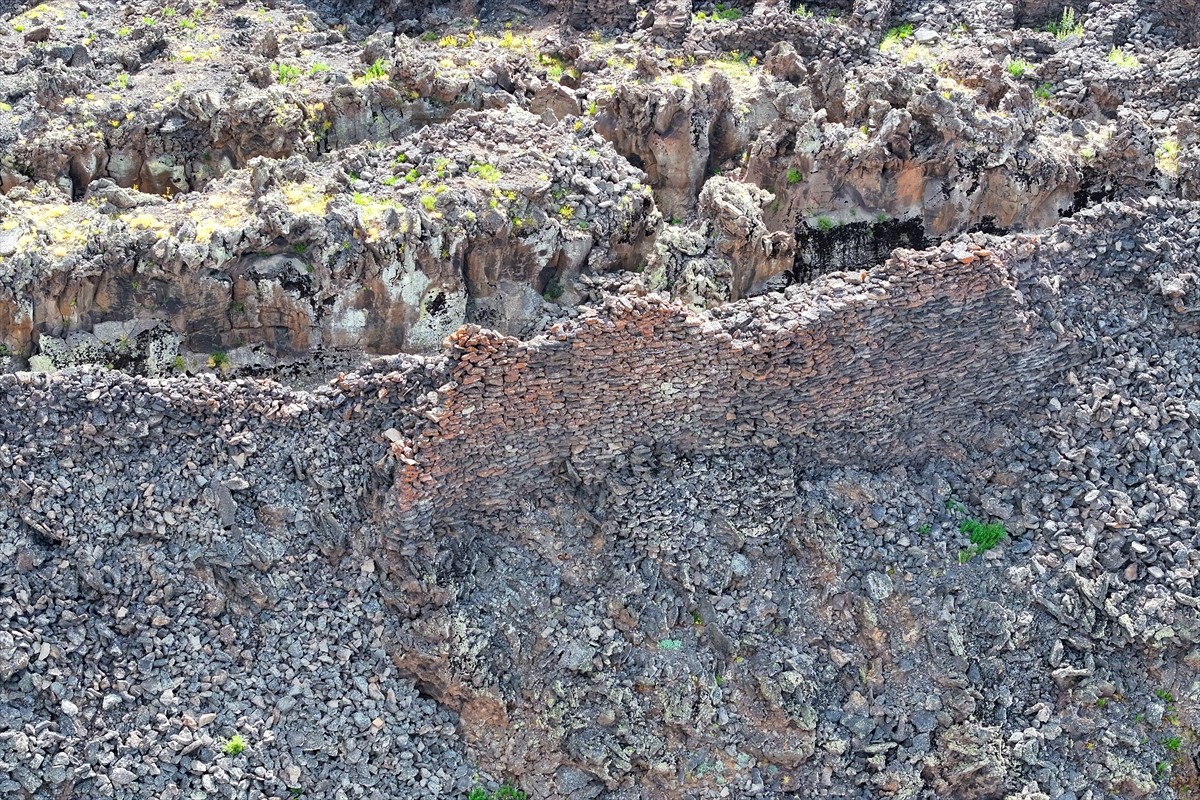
{"x":917,"y":357}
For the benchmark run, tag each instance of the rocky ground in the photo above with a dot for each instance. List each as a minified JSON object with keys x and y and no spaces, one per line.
{"x":198,"y":197}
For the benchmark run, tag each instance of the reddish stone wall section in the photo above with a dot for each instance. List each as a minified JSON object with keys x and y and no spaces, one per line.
{"x":918,"y":356}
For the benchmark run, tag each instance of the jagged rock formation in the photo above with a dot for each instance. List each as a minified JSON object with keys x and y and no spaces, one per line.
{"x":688,"y":486}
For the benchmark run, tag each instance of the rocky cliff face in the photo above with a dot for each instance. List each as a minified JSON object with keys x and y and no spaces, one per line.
{"x":132,"y":140}
{"x":666,"y":474}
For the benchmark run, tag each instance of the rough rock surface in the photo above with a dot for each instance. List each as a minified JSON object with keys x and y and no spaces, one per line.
{"x":669,"y":475}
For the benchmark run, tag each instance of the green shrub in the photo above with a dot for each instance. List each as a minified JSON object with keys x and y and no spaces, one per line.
{"x":794,"y":176}
{"x":1044,"y":92}
{"x":825,"y":223}
{"x":1066,"y":25}
{"x":1017,"y":67}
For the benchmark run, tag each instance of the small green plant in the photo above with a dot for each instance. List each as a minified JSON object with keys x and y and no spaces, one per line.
{"x":1124,"y":60}
{"x":1017,"y":67}
{"x":983,"y":535}
{"x":925,"y":529}
{"x":378,"y":71}
{"x":149,"y":21}
{"x":485,"y":171}
{"x":218,"y":359}
{"x":825,"y":223}
{"x":187,"y":24}
{"x":1044,"y":92}
{"x":169,"y":12}
{"x":728,"y":13}
{"x":1066,"y":25}
{"x":428,"y":202}
{"x":318,"y":67}
{"x":286,"y":73}
{"x":802,"y":12}
{"x":236,"y":744}
{"x":1166,"y":156}
{"x":123,"y":32}
{"x":178,"y":364}
{"x":794,"y":176}
{"x":1164,"y":695}
{"x":505,"y":792}
{"x":1173,"y":743}
{"x":895,"y":36}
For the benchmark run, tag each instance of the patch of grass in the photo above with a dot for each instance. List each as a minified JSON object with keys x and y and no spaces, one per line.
{"x":895,"y":36}
{"x":1164,"y":695}
{"x":428,"y":202}
{"x":1044,"y":92}
{"x":318,"y":68}
{"x":794,"y":176}
{"x":1121,"y":59}
{"x":802,"y":12}
{"x":1173,"y":743}
{"x":236,"y":744}
{"x":123,"y":32}
{"x":983,"y":535}
{"x":1017,"y":67}
{"x":825,"y":223}
{"x":1066,"y":25}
